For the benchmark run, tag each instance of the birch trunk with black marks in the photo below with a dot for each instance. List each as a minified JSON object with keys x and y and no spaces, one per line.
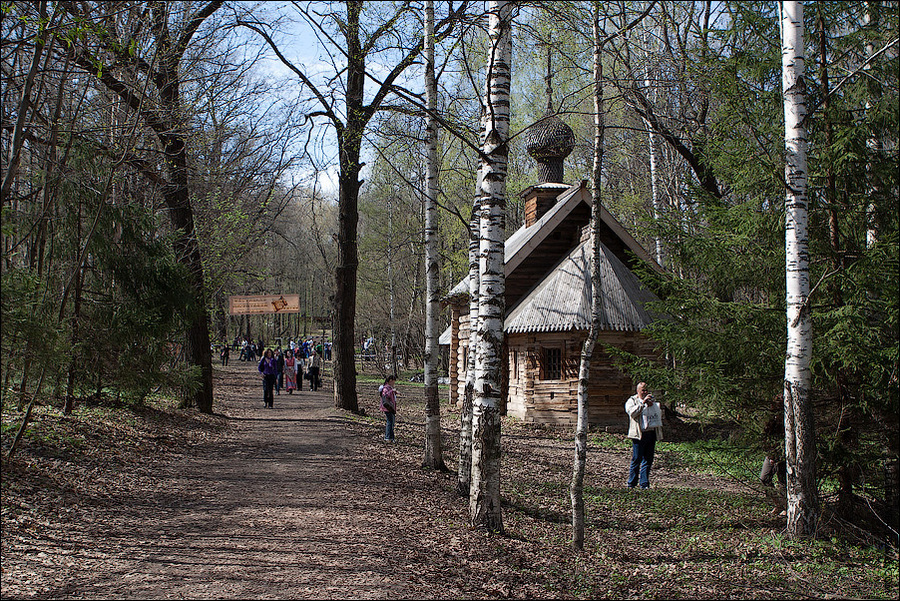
{"x":873,"y":142}
{"x":654,"y":171}
{"x":464,"y":474}
{"x":576,"y":488}
{"x":484,"y":496}
{"x":800,"y":451}
{"x":434,"y":456}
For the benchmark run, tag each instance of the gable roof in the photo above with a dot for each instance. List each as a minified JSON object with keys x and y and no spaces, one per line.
{"x":562,"y":300}
{"x":527,"y":238}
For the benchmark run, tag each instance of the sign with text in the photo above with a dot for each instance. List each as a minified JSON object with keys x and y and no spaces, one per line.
{"x":264,"y":303}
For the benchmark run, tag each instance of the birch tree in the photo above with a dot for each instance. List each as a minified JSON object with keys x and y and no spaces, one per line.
{"x":464,"y":473}
{"x":576,"y":489}
{"x":484,"y":496}
{"x":433,"y":448}
{"x":800,"y":449}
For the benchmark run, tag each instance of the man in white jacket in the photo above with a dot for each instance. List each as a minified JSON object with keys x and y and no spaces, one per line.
{"x":644,"y":429}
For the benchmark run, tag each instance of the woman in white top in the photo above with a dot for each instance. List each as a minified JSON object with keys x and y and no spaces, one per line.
{"x":644,"y":429}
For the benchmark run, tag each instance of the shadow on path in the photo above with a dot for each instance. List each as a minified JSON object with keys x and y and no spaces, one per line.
{"x":285,"y":506}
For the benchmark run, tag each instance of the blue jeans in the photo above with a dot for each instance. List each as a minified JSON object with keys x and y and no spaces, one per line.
{"x":642,"y":459}
{"x":389,"y":425}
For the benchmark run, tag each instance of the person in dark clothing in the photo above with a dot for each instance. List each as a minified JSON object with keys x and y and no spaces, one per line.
{"x":268,"y":369}
{"x":279,"y":366}
{"x":389,"y":406}
{"x":315,"y":363}
{"x":224,"y":355}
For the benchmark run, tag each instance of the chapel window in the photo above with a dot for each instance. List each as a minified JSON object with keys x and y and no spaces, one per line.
{"x":552,"y":364}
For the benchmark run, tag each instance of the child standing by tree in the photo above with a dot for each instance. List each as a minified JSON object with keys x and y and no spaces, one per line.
{"x":389,"y":405}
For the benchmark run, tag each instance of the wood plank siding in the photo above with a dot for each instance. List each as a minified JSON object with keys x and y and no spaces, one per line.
{"x":536,"y":398}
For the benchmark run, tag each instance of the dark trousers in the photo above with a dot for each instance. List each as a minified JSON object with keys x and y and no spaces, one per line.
{"x":314,"y":378}
{"x":642,"y":459}
{"x":268,"y":390}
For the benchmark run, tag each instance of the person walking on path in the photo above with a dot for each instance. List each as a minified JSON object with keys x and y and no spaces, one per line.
{"x":226,"y":351}
{"x":290,"y":372}
{"x":315,"y":364}
{"x":279,"y":371}
{"x":300,"y":366}
{"x":268,"y":369}
{"x":389,"y":406}
{"x":644,"y":429}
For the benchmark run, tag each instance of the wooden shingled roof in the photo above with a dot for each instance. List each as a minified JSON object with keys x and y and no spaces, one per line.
{"x":559,"y":299}
{"x":562,"y":300}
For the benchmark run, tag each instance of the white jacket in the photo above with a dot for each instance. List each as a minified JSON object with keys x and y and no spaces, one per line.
{"x":636,"y":409}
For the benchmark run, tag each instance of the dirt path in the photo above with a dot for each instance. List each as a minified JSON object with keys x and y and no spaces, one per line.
{"x":304,"y":501}
{"x":289,"y":505}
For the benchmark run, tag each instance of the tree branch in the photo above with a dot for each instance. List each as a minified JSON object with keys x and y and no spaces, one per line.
{"x":193,"y":24}
{"x":327,"y":108}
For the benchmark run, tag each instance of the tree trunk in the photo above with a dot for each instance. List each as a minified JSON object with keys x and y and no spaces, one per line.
{"x":187,"y":249}
{"x":484,"y":496}
{"x":464,"y":479}
{"x":800,"y":451}
{"x":349,"y":143}
{"x":873,"y":142}
{"x":464,"y":475}
{"x":345,"y":281}
{"x":434,"y":455}
{"x":576,"y":489}
{"x":395,"y":366}
{"x":74,"y":323}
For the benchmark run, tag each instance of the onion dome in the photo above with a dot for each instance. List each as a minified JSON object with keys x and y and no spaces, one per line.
{"x":548,"y":142}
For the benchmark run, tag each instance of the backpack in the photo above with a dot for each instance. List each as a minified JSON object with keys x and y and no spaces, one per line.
{"x":387,"y":404}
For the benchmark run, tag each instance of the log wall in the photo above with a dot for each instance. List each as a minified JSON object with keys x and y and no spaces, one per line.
{"x":533,"y":398}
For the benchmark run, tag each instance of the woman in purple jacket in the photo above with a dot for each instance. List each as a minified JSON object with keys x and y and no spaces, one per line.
{"x":269,"y":370}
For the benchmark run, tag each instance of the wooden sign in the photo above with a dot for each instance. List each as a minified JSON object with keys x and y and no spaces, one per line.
{"x":265,"y":303}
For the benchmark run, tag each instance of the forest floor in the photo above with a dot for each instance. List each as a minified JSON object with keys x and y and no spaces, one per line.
{"x":305,"y":501}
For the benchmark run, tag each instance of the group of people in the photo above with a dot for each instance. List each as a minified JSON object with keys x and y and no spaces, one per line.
{"x":287,"y":370}
{"x":250,"y":349}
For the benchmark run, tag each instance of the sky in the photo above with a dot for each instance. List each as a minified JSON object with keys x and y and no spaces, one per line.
{"x":300,"y":44}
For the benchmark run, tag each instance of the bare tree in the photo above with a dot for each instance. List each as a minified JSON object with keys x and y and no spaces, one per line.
{"x":157,"y":61}
{"x":576,"y":489}
{"x":433,"y":448}
{"x":359,"y":44}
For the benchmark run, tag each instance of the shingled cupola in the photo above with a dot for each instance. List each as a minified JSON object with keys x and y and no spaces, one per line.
{"x":549,"y":142}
